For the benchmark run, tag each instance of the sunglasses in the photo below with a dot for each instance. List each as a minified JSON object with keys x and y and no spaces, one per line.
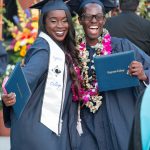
{"x":88,"y":17}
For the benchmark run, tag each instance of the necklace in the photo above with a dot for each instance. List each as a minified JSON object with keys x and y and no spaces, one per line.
{"x":88,"y":88}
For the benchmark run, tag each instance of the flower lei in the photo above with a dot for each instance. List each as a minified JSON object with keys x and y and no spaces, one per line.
{"x":88,"y":88}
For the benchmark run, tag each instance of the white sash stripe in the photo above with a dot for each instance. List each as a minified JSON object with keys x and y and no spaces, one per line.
{"x":62,"y":104}
{"x":51,"y":115}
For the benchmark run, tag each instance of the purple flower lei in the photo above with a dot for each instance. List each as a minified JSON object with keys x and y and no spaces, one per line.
{"x":88,"y":90}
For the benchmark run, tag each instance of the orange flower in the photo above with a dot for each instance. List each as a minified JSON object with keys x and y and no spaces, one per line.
{"x":23,"y":51}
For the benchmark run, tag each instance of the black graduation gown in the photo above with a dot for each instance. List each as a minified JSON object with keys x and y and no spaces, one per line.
{"x":135,"y":142}
{"x":109,"y":128}
{"x":28,"y":133}
{"x":140,"y":134}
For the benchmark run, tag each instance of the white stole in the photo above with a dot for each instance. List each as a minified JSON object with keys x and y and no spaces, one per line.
{"x":55,"y":88}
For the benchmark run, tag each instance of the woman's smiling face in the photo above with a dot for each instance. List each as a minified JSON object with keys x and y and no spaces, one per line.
{"x":56,"y":24}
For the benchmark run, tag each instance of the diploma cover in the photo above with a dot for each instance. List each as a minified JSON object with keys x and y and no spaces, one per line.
{"x":17,"y":84}
{"x":112,"y":71}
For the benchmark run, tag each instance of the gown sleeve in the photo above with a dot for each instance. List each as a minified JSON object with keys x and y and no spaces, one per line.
{"x":36,"y":65}
{"x":125,"y":45}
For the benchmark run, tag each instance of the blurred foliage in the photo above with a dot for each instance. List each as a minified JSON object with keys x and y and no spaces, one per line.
{"x":144,"y":9}
{"x":23,"y":32}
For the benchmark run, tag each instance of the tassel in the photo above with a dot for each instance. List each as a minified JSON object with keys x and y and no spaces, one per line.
{"x":79,"y":125}
{"x":60,"y":127}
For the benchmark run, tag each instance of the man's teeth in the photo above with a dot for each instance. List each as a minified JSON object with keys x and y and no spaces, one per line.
{"x":93,"y":27}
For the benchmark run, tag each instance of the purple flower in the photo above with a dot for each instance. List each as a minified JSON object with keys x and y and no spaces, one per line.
{"x":28,"y":13}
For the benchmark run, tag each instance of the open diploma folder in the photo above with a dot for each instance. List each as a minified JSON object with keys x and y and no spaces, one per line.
{"x":17,"y":84}
{"x":112,"y":71}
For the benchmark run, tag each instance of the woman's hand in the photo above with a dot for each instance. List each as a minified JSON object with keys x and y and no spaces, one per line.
{"x":136,"y":69}
{"x":9,"y":99}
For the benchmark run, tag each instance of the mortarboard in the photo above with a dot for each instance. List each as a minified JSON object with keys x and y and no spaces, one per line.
{"x":48,"y":5}
{"x":76,"y":5}
{"x":84,"y":2}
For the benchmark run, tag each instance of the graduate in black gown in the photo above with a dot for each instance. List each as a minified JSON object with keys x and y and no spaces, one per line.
{"x":45,"y":122}
{"x":106,"y":116}
{"x":140,"y":134}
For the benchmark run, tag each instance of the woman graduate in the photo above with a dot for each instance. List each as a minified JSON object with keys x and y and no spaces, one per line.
{"x":49,"y":114}
{"x":106,"y":116}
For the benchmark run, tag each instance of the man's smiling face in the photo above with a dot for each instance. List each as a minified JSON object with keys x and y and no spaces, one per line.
{"x":92,"y":20}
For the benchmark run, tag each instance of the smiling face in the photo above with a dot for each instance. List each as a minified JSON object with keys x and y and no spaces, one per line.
{"x":56,"y":24}
{"x":92,"y":20}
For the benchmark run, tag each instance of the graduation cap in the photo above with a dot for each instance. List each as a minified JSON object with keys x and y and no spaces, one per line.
{"x":76,"y":5}
{"x":84,"y":2}
{"x":48,"y":5}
